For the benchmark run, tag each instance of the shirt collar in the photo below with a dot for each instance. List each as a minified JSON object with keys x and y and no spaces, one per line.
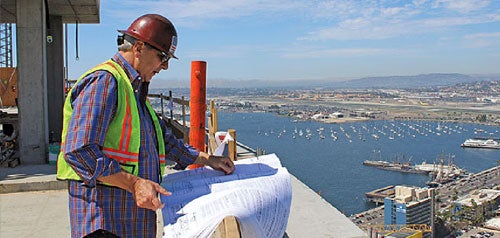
{"x":132,"y":74}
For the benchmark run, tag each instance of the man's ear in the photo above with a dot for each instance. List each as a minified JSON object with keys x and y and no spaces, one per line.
{"x":139,"y":47}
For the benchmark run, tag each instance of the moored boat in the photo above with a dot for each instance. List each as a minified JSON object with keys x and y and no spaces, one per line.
{"x":481,"y":143}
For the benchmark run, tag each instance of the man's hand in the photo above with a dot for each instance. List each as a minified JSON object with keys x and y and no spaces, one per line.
{"x":221,"y":163}
{"x":146,"y":194}
{"x":145,"y":191}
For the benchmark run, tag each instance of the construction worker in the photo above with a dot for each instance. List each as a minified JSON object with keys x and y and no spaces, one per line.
{"x":114,"y":146}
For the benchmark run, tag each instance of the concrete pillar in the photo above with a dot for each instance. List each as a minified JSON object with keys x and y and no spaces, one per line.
{"x":55,"y":77}
{"x":31,"y":81}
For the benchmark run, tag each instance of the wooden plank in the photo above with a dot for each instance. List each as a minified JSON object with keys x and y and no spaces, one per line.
{"x":215,"y":117}
{"x":228,"y":228}
{"x":232,"y":228}
{"x":212,"y":144}
{"x":212,"y":128}
{"x":8,"y":86}
{"x":232,"y":151}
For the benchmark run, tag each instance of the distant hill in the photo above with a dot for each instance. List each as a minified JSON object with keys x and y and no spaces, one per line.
{"x":416,"y":81}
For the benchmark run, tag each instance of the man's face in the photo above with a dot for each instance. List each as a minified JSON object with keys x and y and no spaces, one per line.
{"x":151,"y":61}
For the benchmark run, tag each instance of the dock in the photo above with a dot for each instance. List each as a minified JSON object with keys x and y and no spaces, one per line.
{"x":377,"y":196}
{"x":397,"y":167}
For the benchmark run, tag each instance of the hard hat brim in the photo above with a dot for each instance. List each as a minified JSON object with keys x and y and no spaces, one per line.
{"x":139,"y":38}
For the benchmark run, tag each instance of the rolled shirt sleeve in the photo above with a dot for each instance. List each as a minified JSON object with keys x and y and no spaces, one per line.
{"x":90,"y":163}
{"x":94,"y":101}
{"x":176,"y":150}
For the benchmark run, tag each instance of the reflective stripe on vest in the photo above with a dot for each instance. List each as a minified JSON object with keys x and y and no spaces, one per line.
{"x":122,"y":140}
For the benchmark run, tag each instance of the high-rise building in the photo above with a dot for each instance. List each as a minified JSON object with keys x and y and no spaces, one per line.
{"x":410,"y":205}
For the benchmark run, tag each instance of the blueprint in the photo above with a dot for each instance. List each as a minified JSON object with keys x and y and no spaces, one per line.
{"x":258,"y":194}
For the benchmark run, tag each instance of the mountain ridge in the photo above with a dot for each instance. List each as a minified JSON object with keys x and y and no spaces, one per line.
{"x":412,"y":81}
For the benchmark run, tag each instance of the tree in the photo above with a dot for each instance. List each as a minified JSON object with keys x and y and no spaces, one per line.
{"x":454,"y":197}
{"x":477,"y":215}
{"x":481,"y":118}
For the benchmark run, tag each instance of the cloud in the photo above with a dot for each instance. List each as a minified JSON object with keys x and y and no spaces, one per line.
{"x":382,"y":22}
{"x":463,"y":6}
{"x":328,"y":20}
{"x":194,"y":13}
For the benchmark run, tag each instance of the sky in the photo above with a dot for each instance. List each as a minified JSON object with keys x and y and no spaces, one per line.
{"x":290,"y":40}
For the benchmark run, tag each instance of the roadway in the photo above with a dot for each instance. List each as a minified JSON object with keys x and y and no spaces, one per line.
{"x":486,"y":179}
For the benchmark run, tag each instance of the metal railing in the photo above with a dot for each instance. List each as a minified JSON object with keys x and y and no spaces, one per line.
{"x":179,"y":130}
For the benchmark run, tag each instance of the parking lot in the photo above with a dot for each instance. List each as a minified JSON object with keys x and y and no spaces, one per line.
{"x":479,"y":233}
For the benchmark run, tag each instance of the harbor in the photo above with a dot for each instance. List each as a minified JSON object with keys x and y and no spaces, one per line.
{"x":334,"y":168}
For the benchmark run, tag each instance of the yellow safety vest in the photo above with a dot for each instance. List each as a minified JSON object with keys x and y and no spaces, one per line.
{"x":122,"y":140}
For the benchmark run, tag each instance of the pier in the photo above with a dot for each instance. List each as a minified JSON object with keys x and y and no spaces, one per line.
{"x":398,"y":167}
{"x":377,"y":196}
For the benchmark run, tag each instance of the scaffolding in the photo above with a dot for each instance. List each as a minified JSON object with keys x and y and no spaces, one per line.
{"x":6,"y":45}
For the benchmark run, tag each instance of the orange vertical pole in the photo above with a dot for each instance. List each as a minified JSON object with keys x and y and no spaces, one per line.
{"x":198,"y":105}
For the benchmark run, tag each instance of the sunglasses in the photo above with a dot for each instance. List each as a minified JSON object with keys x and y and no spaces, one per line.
{"x":164,"y":57}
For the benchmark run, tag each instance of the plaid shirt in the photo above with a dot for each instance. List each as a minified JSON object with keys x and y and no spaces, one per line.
{"x":93,"y":206}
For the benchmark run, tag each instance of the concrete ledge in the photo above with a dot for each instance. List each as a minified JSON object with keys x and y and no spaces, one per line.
{"x":313,"y":216}
{"x":32,"y":186}
{"x":310,"y":214}
{"x":25,"y":178}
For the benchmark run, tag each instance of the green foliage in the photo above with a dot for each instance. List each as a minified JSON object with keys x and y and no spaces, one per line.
{"x":481,"y":118}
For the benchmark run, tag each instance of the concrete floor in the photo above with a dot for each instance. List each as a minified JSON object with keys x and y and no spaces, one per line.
{"x":34,"y":204}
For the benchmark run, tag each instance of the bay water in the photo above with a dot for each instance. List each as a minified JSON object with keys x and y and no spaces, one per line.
{"x":329,"y":157}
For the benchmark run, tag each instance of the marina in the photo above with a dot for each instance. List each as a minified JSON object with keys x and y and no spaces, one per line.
{"x":333,"y":167}
{"x":389,"y":129}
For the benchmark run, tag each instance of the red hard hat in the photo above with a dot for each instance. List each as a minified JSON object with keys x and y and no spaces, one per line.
{"x":155,"y":30}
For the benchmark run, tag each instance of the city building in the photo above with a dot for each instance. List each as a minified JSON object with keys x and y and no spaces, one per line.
{"x":481,"y":204}
{"x":410,"y":205}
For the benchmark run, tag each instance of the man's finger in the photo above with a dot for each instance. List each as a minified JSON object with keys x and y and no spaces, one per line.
{"x":157,"y":204}
{"x":230,"y":166}
{"x":163,"y":191}
{"x":227,"y":168}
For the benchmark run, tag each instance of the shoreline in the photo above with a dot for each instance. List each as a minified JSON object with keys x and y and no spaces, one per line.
{"x":348,"y":119}
{"x":358,"y":111}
